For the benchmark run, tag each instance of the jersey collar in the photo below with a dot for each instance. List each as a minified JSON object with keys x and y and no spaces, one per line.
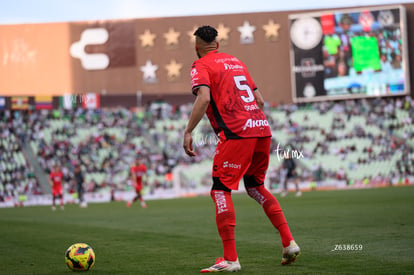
{"x":212,"y":52}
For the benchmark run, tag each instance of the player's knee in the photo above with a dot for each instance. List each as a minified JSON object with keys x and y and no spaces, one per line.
{"x":254,"y":193}
{"x":251,"y":181}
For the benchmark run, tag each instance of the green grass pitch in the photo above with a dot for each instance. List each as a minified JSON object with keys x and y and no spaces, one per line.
{"x":180,"y":237}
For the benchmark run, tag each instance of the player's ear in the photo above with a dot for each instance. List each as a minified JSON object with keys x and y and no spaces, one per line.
{"x":217,"y":45}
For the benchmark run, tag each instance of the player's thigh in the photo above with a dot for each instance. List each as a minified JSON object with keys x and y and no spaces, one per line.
{"x":260,"y":162}
{"x":231,"y":160}
{"x":56,"y":192}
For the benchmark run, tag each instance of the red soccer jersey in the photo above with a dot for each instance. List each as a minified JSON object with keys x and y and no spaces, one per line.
{"x":139,"y":171}
{"x":56,"y":178}
{"x":233,"y":108}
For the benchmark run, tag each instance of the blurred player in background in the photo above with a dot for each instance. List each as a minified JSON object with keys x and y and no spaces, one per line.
{"x":55,"y":181}
{"x":289,"y":175}
{"x":229,"y":97}
{"x":79,"y":186}
{"x":138,"y":172}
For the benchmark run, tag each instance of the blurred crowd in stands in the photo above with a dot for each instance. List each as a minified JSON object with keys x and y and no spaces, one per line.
{"x":106,"y":141}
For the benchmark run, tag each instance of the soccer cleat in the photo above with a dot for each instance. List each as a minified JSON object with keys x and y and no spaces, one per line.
{"x":290,"y":253}
{"x":222,"y":265}
{"x":62,"y":207}
{"x":53,"y":208}
{"x":129,"y":204}
{"x":298,"y":194}
{"x":143,"y":204}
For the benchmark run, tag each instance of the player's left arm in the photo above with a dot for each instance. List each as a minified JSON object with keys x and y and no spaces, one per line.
{"x":199,"y":109}
{"x":257,"y":93}
{"x":259,"y":99}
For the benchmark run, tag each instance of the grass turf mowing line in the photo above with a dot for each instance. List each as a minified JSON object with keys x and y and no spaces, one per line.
{"x":179,"y":236}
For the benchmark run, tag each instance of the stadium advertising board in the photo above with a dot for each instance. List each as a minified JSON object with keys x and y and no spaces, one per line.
{"x":349,"y":54}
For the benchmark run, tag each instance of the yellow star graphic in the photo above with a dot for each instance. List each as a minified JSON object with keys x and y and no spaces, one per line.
{"x":147,"y":39}
{"x":173,"y":69}
{"x":190,"y":34}
{"x":223,"y":33}
{"x":171,"y":37}
{"x":271,"y":30}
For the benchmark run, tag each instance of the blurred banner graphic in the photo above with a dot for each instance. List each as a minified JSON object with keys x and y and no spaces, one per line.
{"x":2,"y":102}
{"x":90,"y":101}
{"x":67,"y":102}
{"x":19,"y":103}
{"x":43,"y":102}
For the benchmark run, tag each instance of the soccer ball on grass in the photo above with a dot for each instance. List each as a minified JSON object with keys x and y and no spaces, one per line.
{"x":80,"y":257}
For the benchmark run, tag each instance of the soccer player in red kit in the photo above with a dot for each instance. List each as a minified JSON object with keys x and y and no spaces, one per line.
{"x":227,"y":94}
{"x":138,"y":171}
{"x":56,"y":177}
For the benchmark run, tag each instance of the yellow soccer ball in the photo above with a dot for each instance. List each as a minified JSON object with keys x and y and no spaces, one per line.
{"x":80,"y":257}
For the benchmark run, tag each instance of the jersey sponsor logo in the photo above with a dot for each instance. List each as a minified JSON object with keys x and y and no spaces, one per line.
{"x":229,"y":59}
{"x":193,"y":72}
{"x":221,"y":202}
{"x":250,"y":123}
{"x":226,"y":164}
{"x":232,"y":66}
{"x":194,"y":81}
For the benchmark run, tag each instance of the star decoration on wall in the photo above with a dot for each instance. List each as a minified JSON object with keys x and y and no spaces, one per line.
{"x":191,"y":35}
{"x":223,"y":33}
{"x":173,"y":69}
{"x":246,"y":33}
{"x":149,"y":72}
{"x":147,"y":39}
{"x":171,"y":37}
{"x":271,"y":30}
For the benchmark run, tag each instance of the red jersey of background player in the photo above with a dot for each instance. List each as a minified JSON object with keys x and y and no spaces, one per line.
{"x":56,"y":177}
{"x":233,"y":108}
{"x":138,"y":170}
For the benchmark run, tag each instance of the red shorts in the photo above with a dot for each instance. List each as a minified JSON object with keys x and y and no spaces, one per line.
{"x":138,"y":186}
{"x":235,"y":158}
{"x":57,"y":191}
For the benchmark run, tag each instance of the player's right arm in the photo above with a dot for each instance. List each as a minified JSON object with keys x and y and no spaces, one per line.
{"x":199,"y":109}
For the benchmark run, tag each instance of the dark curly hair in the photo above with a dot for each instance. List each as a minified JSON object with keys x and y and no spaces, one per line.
{"x":206,"y":33}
